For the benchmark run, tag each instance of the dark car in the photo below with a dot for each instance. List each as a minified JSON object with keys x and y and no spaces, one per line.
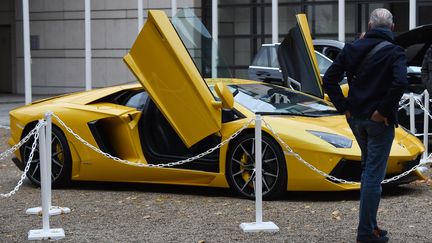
{"x":265,"y":66}
{"x":330,"y":48}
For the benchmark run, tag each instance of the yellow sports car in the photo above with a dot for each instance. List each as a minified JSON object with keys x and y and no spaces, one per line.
{"x":174,"y":114}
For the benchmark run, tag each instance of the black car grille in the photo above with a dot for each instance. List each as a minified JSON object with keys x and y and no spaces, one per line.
{"x":350,"y":170}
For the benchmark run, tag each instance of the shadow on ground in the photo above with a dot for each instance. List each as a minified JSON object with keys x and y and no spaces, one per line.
{"x":388,"y":192}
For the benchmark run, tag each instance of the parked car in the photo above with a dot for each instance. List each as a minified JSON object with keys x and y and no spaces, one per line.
{"x":330,"y":48}
{"x":173,"y":113}
{"x":265,"y":66}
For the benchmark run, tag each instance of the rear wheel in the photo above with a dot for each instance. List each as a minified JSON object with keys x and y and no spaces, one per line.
{"x":240,"y":168}
{"x":60,"y":160}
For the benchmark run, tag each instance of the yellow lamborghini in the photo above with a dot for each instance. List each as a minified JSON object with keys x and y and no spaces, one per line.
{"x":173,"y":113}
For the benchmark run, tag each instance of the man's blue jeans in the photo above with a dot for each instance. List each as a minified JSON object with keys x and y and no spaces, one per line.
{"x":375,"y":140}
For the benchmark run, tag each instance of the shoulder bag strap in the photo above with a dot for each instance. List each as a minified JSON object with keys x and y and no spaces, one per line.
{"x":374,"y":50}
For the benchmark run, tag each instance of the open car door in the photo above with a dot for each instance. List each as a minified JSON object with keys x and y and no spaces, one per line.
{"x":416,"y":42}
{"x":161,"y":63}
{"x":297,"y":58}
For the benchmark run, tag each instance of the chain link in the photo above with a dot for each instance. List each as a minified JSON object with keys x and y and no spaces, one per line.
{"x":403,"y":106}
{"x":35,"y":133}
{"x":286,"y":146}
{"x":313,"y":168}
{"x":10,"y":151}
{"x":419,"y":102}
{"x":161,"y":165}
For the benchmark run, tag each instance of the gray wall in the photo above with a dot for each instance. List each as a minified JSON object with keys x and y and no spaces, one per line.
{"x":58,"y":66}
{"x":7,"y":43}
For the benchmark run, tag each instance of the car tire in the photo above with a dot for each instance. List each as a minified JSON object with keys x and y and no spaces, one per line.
{"x":61,"y":161}
{"x":240,"y":167}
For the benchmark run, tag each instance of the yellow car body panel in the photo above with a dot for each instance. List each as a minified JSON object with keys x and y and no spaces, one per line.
{"x":304,"y":28}
{"x":162,"y":64}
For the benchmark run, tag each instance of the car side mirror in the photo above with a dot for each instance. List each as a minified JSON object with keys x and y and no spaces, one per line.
{"x":225,"y":95}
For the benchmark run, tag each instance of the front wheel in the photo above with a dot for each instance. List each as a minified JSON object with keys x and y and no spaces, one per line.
{"x":240,"y":167}
{"x":60,"y":160}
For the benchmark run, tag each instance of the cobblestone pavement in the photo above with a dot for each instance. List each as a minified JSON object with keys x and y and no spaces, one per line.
{"x":125,"y":212}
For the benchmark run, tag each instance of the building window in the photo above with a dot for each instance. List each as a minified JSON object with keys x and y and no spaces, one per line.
{"x":34,"y":42}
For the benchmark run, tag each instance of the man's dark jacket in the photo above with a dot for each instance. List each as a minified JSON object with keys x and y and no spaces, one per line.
{"x":378,"y":85}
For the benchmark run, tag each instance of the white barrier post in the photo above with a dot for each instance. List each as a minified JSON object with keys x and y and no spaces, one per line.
{"x":53,"y":210}
{"x":426,"y":124}
{"x":258,"y":225}
{"x":411,"y":112}
{"x":45,"y":233}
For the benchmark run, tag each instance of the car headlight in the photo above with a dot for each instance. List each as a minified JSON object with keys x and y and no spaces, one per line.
{"x":333,"y":139}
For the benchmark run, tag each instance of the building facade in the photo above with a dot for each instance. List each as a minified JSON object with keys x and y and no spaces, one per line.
{"x":57,"y":35}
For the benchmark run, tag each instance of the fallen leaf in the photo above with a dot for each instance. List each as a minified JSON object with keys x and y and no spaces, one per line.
{"x":201,"y":241}
{"x":146,"y":217}
{"x":336,"y":215}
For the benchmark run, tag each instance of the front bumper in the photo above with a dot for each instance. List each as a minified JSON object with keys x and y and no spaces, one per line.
{"x":350,"y":170}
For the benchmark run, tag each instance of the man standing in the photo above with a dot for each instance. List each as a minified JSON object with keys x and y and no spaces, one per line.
{"x":376,"y":71}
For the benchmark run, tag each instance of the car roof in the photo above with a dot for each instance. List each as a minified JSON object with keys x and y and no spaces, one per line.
{"x":328,"y":42}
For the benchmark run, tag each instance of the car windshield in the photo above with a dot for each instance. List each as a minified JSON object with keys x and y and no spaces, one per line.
{"x":200,"y":45}
{"x":323,"y":62}
{"x":268,"y":99}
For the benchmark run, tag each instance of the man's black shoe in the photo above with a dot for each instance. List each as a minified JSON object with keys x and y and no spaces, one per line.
{"x":371,"y":239}
{"x":380,"y":232}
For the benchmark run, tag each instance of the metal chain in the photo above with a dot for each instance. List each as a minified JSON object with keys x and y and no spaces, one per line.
{"x":418,"y":101}
{"x":403,"y":106}
{"x":34,"y":132}
{"x":10,"y":151}
{"x":161,"y":165}
{"x":298,"y":157}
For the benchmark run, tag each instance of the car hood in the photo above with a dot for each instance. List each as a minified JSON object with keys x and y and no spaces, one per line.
{"x":297,"y":58}
{"x":416,"y":42}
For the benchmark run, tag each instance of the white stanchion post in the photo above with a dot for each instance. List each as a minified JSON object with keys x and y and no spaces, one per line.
{"x":412,"y":114}
{"x":426,"y":124}
{"x":45,"y":233}
{"x":53,"y":210}
{"x":425,"y":168}
{"x":258,"y":225}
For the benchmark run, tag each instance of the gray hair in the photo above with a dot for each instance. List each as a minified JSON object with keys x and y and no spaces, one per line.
{"x":381,"y":17}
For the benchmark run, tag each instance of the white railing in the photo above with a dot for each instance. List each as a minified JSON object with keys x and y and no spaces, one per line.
{"x":422,"y":100}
